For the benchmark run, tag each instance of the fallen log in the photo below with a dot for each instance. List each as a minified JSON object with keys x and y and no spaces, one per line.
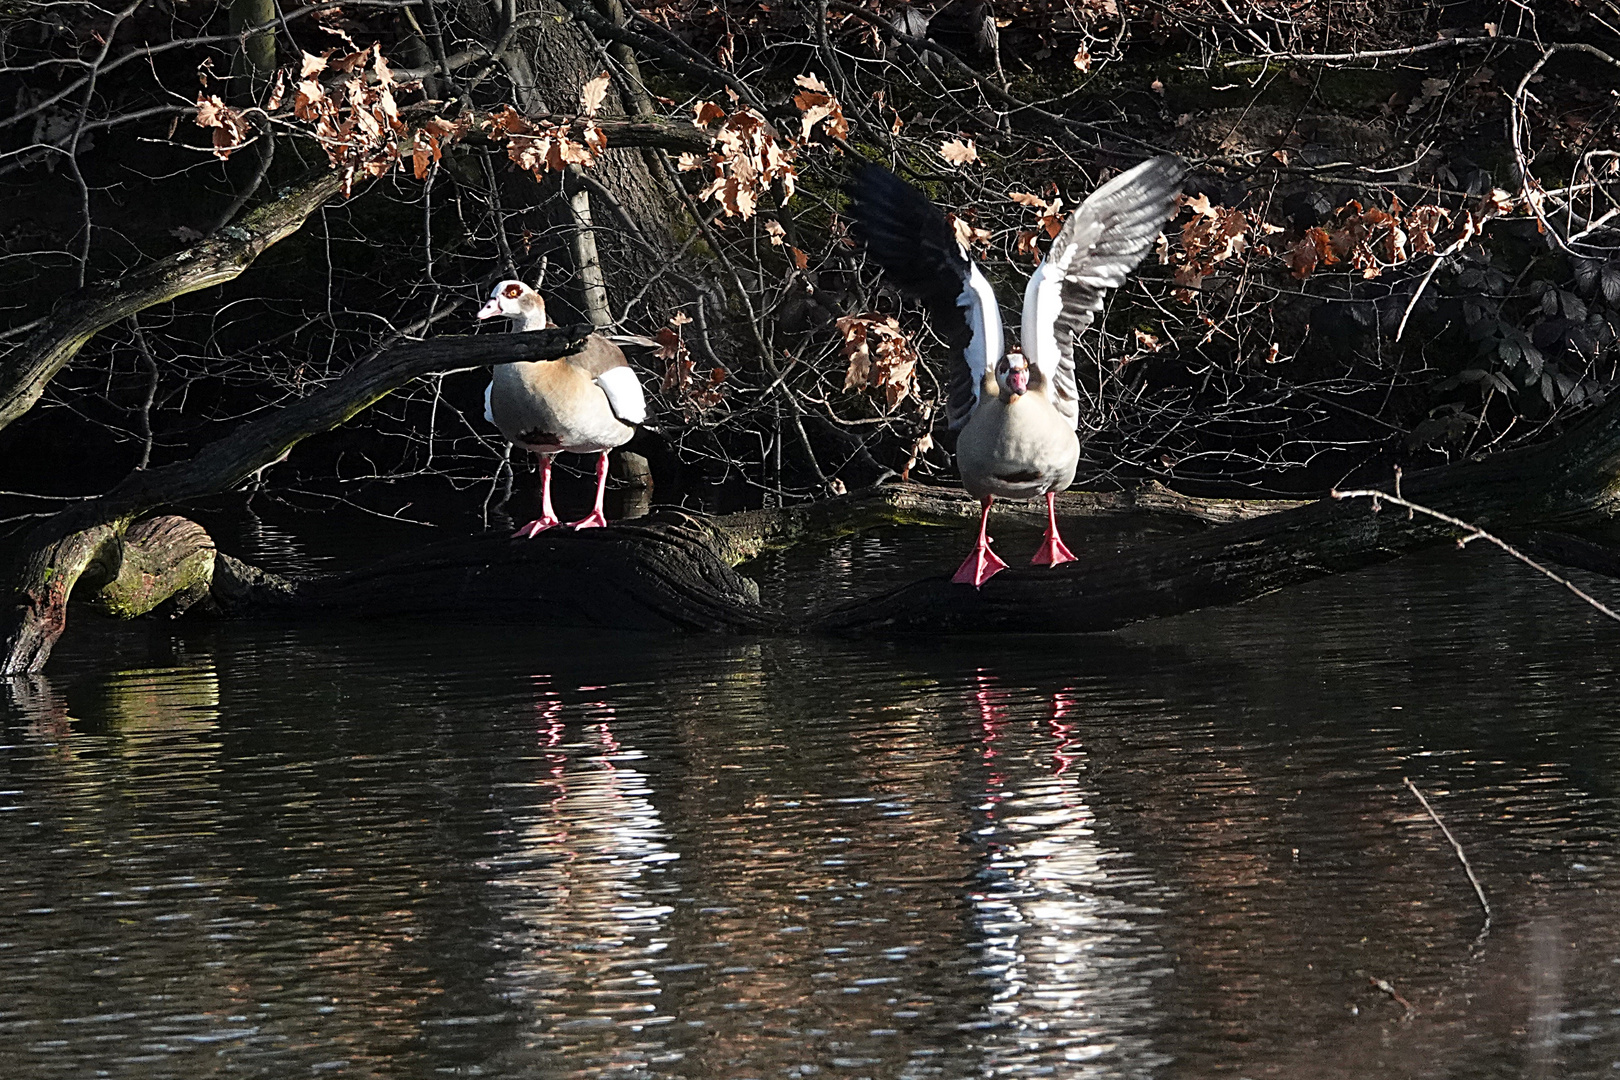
{"x":662,"y":573}
{"x":750,"y":533}
{"x":1569,"y":484}
{"x":675,"y":571}
{"x":670,"y":571}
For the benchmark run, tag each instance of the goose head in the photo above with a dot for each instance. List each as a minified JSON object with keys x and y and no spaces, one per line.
{"x":1012,"y":375}
{"x":518,"y":302}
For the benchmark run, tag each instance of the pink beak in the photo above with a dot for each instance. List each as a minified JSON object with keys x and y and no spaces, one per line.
{"x":490,"y":310}
{"x":1018,"y":379}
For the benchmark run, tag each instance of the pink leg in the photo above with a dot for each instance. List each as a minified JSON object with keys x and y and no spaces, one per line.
{"x":1052,"y":551}
{"x":548,"y":516}
{"x":596,"y":519}
{"x":982,"y":565}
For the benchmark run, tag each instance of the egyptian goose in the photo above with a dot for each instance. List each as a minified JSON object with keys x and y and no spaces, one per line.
{"x":586,"y":403}
{"x":1018,"y":413}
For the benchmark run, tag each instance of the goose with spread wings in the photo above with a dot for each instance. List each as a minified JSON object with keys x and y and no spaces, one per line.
{"x":1017,"y":412}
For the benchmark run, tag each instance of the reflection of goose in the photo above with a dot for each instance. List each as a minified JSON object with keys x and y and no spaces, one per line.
{"x":583,"y":880}
{"x":1060,"y":944}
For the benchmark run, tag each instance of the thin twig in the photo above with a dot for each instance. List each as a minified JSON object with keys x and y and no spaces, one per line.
{"x":1389,"y":988}
{"x":1439,"y":257}
{"x":151,"y":365}
{"x":1477,"y":533}
{"x":1479,"y":890}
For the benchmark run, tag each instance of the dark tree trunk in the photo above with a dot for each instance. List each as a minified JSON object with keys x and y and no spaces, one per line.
{"x":632,"y":211}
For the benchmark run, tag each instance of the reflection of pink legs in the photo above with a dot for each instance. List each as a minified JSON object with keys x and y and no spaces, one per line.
{"x":1052,"y":550}
{"x":548,"y":516}
{"x":982,"y":565}
{"x":596,"y":519}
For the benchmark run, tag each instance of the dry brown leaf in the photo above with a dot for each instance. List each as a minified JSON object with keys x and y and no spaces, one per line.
{"x":278,"y":90}
{"x":812,"y":115}
{"x":669,"y":344}
{"x":592,"y":94}
{"x":209,"y":109}
{"x":924,"y":443}
{"x":380,"y":68}
{"x":967,"y":235}
{"x":881,"y":357}
{"x":1198,"y":204}
{"x":747,"y":159}
{"x":230,"y":126}
{"x":819,"y":107}
{"x":958,"y":152}
{"x":1026,"y":245}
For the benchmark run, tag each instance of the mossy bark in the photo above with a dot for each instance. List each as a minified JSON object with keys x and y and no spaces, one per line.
{"x":164,"y":561}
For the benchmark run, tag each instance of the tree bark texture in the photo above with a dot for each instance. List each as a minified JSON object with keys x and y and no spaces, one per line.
{"x":549,"y":59}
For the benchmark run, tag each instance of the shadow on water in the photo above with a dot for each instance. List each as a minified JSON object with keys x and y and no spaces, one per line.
{"x":1181,"y":851}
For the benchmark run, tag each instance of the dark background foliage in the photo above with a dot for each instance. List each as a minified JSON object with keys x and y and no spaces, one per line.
{"x":1281,"y":342}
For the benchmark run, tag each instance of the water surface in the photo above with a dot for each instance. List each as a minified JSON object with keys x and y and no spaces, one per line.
{"x":1184,"y":850}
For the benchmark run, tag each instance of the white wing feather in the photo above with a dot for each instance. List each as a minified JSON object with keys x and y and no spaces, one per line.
{"x":1043,"y":300}
{"x":1099,"y":246}
{"x":624,"y":394}
{"x":978,"y":303}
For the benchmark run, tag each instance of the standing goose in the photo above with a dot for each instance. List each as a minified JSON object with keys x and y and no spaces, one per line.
{"x":1018,"y":412}
{"x":586,"y":403}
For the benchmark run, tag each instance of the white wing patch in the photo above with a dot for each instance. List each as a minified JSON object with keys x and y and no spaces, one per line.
{"x":1043,"y":301}
{"x":1097,"y":249}
{"x":489,"y":406}
{"x":1043,"y":298}
{"x":624,"y":395}
{"x":978,"y":302}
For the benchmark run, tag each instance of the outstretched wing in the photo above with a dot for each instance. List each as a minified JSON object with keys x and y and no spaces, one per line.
{"x":916,"y":247}
{"x":1100,"y":244}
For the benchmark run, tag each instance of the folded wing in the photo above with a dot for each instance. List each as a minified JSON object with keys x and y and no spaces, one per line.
{"x":624,"y":394}
{"x":910,"y":239}
{"x":1100,"y":244}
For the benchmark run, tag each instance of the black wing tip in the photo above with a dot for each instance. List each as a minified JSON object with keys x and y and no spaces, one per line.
{"x":876,"y":190}
{"x":904,"y":230}
{"x":870,"y":174}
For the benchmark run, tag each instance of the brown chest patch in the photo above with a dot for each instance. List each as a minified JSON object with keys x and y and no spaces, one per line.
{"x":1023,"y":476}
{"x":539,"y":440}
